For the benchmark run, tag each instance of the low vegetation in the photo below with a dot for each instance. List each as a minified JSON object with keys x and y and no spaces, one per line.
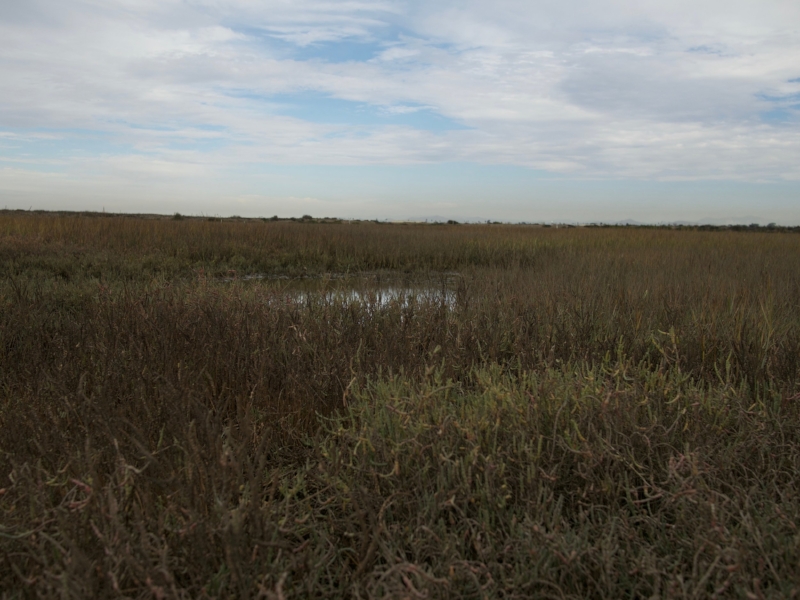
{"x":580,"y":413}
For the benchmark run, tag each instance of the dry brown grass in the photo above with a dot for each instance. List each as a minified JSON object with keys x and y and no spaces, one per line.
{"x":598,"y":413}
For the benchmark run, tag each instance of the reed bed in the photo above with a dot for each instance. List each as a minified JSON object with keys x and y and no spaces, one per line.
{"x":597,"y":413}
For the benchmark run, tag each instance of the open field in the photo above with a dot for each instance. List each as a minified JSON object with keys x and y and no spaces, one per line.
{"x":580,"y":413}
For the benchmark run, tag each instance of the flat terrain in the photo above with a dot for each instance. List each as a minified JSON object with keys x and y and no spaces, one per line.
{"x":204,"y":408}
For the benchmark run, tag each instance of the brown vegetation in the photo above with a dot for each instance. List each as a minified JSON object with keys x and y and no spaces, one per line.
{"x":591,"y":413}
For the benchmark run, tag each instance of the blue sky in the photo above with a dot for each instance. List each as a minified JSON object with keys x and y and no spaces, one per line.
{"x":511,"y":110}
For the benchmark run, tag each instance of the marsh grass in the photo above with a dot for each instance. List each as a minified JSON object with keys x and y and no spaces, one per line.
{"x":598,"y":413}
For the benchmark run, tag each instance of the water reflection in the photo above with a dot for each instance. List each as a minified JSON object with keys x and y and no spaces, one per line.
{"x":372,"y":289}
{"x":379,"y":297}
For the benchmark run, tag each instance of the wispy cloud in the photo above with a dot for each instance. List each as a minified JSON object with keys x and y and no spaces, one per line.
{"x":612,"y":89}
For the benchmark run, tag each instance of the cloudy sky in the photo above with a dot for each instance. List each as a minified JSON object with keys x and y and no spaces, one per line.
{"x":512,"y":110}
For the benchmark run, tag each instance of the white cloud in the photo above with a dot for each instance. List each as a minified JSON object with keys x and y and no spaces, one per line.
{"x":595,"y":89}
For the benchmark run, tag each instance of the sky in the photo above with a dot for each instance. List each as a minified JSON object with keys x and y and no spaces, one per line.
{"x":512,"y":110}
